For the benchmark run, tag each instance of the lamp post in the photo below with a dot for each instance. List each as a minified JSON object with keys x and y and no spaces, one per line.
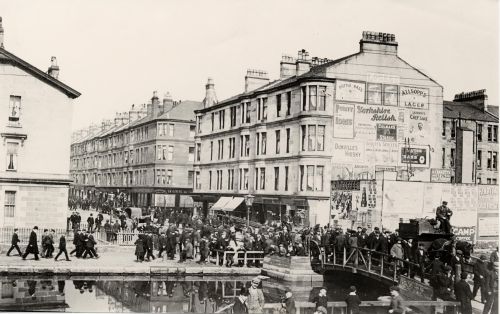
{"x":249,"y":201}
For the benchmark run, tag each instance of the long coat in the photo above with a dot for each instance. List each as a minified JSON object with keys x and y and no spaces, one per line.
{"x":32,"y":244}
{"x":464,"y":296}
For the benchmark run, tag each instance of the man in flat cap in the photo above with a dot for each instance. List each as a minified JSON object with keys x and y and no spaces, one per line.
{"x":443,"y":215}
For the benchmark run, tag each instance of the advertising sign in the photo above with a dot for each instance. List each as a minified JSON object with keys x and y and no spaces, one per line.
{"x":465,"y":233}
{"x":488,"y":226}
{"x":348,"y":151}
{"x":414,"y":97}
{"x":417,"y":126}
{"x":367,"y":117}
{"x":343,"y":121}
{"x":487,"y":198}
{"x":387,"y":132}
{"x":350,"y":91}
{"x":441,"y":175}
{"x":414,"y":156}
{"x":381,"y":153}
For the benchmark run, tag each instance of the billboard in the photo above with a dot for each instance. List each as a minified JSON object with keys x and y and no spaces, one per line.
{"x":465,"y":233}
{"x":441,"y":175}
{"x":350,"y":91}
{"x":415,"y":156}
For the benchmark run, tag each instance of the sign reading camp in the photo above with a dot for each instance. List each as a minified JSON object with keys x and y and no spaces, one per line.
{"x":414,"y":97}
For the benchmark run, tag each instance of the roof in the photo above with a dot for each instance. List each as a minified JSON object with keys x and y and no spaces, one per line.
{"x":467,"y":111}
{"x":7,"y":57}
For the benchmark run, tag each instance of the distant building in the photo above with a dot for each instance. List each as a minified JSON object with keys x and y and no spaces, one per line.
{"x":288,"y":141}
{"x":145,"y":156}
{"x":471,"y":112}
{"x":36,"y":111}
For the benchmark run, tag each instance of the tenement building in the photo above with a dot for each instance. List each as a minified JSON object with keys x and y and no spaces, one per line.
{"x":144,"y":156}
{"x":36,"y":110}
{"x":286,"y":141}
{"x":470,"y":119}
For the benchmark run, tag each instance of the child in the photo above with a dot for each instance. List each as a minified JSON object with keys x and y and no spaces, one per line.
{"x":352,"y":301}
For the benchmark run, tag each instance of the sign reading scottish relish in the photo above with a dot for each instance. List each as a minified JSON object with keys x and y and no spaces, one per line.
{"x":350,"y":91}
{"x":414,"y":97}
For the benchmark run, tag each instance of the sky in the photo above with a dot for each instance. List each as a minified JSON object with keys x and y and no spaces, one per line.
{"x":117,"y":52}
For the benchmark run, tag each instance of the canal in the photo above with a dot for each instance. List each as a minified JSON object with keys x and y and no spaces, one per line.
{"x":156,"y":294}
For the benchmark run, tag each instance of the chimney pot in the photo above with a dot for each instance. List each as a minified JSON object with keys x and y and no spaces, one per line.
{"x":54,"y":68}
{"x":210,"y":96}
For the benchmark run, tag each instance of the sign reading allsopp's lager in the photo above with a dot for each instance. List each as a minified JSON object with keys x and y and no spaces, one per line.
{"x":414,"y":97}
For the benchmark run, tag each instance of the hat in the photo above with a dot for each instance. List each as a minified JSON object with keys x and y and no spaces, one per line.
{"x":321,"y":309}
{"x":376,"y":228}
{"x":35,"y":227}
{"x":483,"y":257}
{"x":352,"y":288}
{"x":399,"y":239}
{"x":463,"y":275}
{"x":256,"y":280}
{"x":445,"y":203}
{"x":394,"y":288}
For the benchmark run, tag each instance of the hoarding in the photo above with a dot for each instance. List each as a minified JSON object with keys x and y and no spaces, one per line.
{"x":465,"y":233}
{"x":350,"y":91}
{"x":488,"y":227}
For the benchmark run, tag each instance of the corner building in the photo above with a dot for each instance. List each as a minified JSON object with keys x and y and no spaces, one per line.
{"x":287,"y":141}
{"x":36,"y":109}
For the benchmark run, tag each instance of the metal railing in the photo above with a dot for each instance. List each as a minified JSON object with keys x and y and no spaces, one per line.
{"x":24,"y":234}
{"x":341,"y":306}
{"x":221,"y":256}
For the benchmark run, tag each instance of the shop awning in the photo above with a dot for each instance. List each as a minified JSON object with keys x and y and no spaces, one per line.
{"x":233,"y":204}
{"x":219,"y":205}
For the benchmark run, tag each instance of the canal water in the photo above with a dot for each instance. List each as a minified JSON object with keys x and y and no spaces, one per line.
{"x":173,"y":294}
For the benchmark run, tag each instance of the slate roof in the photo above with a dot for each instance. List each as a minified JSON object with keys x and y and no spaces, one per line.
{"x":467,"y":111}
{"x":8,"y":57}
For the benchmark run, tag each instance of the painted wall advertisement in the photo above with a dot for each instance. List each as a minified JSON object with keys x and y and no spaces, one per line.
{"x":387,"y":132}
{"x":368,"y":117}
{"x":413,"y":97}
{"x":350,"y":91}
{"x":343,"y":123}
{"x":441,"y":175}
{"x":349,"y":151}
{"x":465,"y":233}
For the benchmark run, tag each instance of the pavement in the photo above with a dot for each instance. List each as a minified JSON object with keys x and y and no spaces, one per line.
{"x":115,"y":262}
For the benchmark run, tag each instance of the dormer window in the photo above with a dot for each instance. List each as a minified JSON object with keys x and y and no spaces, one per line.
{"x":14,"y":108}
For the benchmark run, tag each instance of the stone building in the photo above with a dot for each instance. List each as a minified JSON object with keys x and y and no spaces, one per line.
{"x":470,"y":112}
{"x":286,"y":141}
{"x":145,"y":155}
{"x":36,"y":110}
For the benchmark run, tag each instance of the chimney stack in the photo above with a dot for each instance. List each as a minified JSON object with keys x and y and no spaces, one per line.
{"x":377,"y":42}
{"x":1,"y":33}
{"x":477,"y":98}
{"x":287,"y":67}
{"x":168,"y":102}
{"x":255,"y":79}
{"x":54,"y":68}
{"x":155,"y":104}
{"x":210,"y":96}
{"x":303,"y":64}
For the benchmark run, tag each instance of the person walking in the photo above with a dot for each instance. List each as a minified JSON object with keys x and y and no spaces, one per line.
{"x":162,"y":243}
{"x":139,"y":248}
{"x":32,"y":247}
{"x":491,"y":305}
{"x":13,"y":243}
{"x":396,"y":302}
{"x":62,"y":248}
{"x":149,"y":246}
{"x":463,"y":294}
{"x":255,"y":302}
{"x":480,"y":273}
{"x":353,"y":301}
{"x":90,"y":246}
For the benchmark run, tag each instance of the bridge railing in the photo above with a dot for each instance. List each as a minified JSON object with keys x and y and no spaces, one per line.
{"x":220,"y":257}
{"x":341,"y":306}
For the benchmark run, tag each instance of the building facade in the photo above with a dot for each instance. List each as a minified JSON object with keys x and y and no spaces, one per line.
{"x":145,"y":156}
{"x":36,"y":111}
{"x":286,"y":141}
{"x":472,"y":113}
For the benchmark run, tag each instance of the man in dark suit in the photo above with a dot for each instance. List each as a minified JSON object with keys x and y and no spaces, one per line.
{"x":480,"y":273}
{"x":14,"y":242}
{"x":90,"y":223}
{"x":62,"y":248}
{"x":463,"y":294}
{"x":89,"y":246}
{"x":32,"y":247}
{"x":240,"y":305}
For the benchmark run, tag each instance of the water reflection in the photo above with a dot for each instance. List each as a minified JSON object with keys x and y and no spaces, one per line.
{"x":159,"y":295}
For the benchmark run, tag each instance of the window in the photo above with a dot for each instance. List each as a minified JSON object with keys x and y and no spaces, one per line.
{"x":312,"y":140}
{"x":170,"y":152}
{"x":247,"y":113}
{"x":443,"y":131}
{"x":197,"y":179}
{"x":304,"y":97}
{"x":230,"y":179}
{"x":479,"y":132}
{"x":276,"y":178}
{"x":478,"y":180}
{"x":452,"y":158}
{"x":321,"y":138}
{"x":12,"y":150}
{"x":222,"y":117}
{"x":287,"y":140}
{"x":321,"y":98}
{"x":262,"y":178}
{"x":488,"y":181}
{"x":10,"y":203}
{"x":232,"y":147}
{"x":495,"y":133}
{"x":303,"y":136}
{"x":286,"y":178}
{"x":453,"y":128}
{"x":211,"y":150}
{"x":264,"y":142}
{"x":311,"y":178}
{"x":443,"y":158}
{"x":494,"y":181}
{"x":490,"y":133}
{"x":14,"y":108}
{"x":191,"y":154}
{"x":479,"y":158}
{"x":247,"y":145}
{"x":170,"y":130}
{"x":278,"y":105}
{"x":242,"y":112}
{"x":233,"y":116}
{"x":262,"y":109}
{"x":220,"y":149}
{"x":210,"y":180}
{"x":213,"y":114}
{"x":278,"y":132}
{"x":288,"y":102}
{"x":489,"y":160}
{"x":198,"y":151}
{"x":494,"y":161}
{"x":244,"y":179}
{"x":313,"y":93}
{"x":311,"y":137}
{"x":257,"y":144}
{"x":192,"y":131}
